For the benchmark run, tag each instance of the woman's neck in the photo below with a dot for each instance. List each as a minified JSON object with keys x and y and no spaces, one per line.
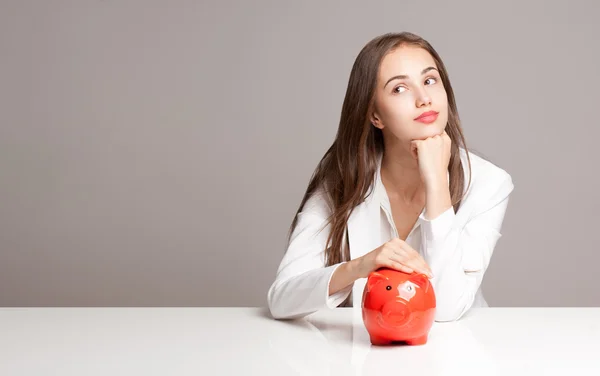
{"x":401,"y":176}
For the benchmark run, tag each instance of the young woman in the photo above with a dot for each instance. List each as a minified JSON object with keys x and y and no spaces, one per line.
{"x":394,"y":191}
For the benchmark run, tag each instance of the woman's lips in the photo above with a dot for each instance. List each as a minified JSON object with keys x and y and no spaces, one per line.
{"x":427,"y":119}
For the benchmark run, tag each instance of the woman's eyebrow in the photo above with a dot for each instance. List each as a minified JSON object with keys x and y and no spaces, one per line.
{"x":404,"y":76}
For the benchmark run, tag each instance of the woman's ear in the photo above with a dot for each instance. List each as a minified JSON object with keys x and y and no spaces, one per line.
{"x":374,"y":119}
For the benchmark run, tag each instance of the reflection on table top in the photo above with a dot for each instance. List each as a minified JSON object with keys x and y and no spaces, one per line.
{"x":234,"y":341}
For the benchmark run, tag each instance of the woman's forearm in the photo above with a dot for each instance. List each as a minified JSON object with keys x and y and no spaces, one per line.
{"x":344,"y":276}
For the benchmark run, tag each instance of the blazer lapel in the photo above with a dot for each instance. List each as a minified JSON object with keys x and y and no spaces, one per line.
{"x":364,"y":223}
{"x":363,"y":236}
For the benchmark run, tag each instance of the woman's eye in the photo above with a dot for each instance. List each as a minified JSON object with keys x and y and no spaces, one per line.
{"x":402,"y":87}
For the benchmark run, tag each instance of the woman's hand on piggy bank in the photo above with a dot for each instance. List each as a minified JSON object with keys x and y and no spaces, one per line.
{"x":395,"y":254}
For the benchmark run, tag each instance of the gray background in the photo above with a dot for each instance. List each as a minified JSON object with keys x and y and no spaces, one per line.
{"x":153,"y":153}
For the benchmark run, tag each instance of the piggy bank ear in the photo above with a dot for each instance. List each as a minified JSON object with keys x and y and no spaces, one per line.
{"x":375,"y":278}
{"x":421,"y":280}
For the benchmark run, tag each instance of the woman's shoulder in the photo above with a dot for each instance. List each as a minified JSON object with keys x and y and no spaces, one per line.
{"x":317,"y":203}
{"x":483,"y":166}
{"x":489,"y":182}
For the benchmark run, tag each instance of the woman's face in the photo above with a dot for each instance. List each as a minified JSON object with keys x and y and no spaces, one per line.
{"x":398,"y":101}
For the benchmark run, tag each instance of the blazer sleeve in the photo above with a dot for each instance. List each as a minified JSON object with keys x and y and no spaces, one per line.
{"x":460,"y":255}
{"x":301,"y":285}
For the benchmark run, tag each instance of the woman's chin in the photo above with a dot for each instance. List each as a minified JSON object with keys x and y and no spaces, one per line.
{"x":430,"y":131}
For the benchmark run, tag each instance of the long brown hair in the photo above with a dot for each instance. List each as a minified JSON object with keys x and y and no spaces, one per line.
{"x":348,"y":168}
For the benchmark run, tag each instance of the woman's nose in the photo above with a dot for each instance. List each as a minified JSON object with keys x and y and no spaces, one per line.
{"x":423,"y":98}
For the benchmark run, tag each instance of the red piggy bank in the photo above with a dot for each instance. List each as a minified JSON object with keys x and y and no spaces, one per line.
{"x":398,"y":307}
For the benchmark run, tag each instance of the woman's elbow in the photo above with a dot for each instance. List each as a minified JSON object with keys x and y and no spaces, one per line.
{"x":449,"y":313}
{"x":277,"y":305}
{"x":449,"y":316}
{"x":273,"y":302}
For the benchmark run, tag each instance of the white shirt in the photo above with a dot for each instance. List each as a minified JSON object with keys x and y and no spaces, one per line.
{"x":457,"y":246}
{"x":389,"y":232}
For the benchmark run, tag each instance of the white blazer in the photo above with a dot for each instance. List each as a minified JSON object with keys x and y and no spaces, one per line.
{"x":456,"y":246}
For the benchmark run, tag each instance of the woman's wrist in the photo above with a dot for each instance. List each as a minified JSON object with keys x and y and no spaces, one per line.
{"x":355,"y":268}
{"x":344,"y":276}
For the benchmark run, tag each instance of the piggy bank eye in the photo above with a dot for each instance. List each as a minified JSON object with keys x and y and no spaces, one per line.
{"x":388,"y":288}
{"x":407,"y":290}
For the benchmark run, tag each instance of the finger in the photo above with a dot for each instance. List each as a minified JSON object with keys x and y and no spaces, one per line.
{"x":426,"y":269}
{"x":412,"y":265}
{"x":399,"y":266}
{"x":447,"y":138}
{"x":412,"y":258}
{"x":414,"y":149}
{"x":398,"y":263}
{"x":413,"y":153}
{"x":423,"y":267}
{"x":421,"y":261}
{"x":398,"y":247}
{"x":413,"y":261}
{"x":419,"y":266}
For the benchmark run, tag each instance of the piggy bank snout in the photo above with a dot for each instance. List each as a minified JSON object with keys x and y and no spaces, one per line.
{"x":395,"y":313}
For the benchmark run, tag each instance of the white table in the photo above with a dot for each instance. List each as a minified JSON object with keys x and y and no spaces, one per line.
{"x":247,"y":341}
